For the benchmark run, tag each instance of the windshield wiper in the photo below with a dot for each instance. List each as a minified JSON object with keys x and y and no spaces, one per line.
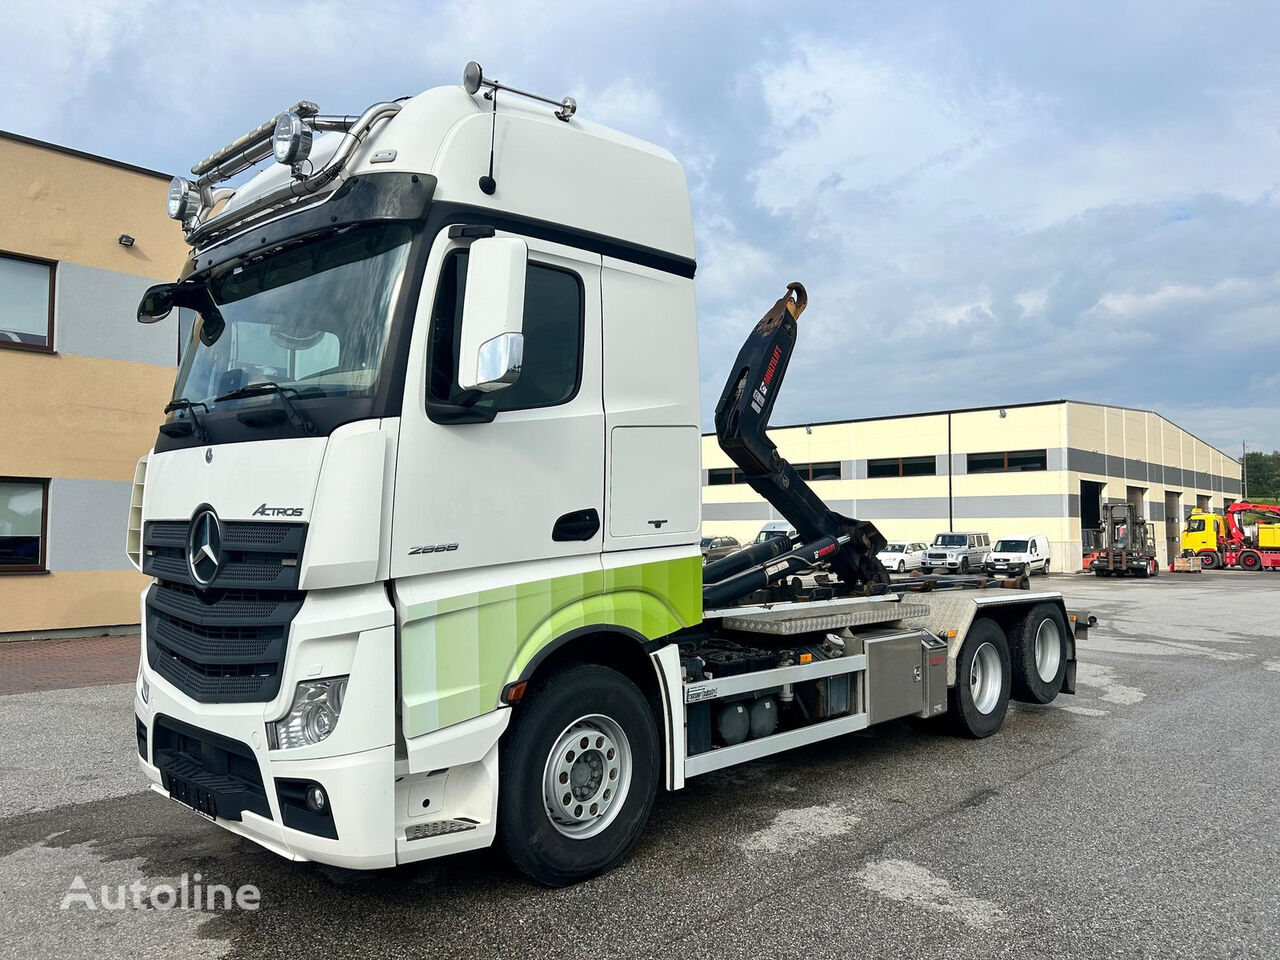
{"x":178,"y":427}
{"x":264,"y":387}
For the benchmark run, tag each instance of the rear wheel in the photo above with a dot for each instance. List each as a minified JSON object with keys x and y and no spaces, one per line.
{"x":1249,"y":560}
{"x":1045,"y":571}
{"x":1209,"y":560}
{"x":580,"y":771}
{"x":976,"y":705}
{"x":1038,"y":652}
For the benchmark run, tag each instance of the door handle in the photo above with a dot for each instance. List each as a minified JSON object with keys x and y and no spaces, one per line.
{"x":578,"y":525}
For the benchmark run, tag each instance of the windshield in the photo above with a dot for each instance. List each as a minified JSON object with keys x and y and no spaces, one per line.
{"x":1011,"y":546}
{"x":894,"y":548}
{"x":950,"y":540}
{"x":313,"y":318}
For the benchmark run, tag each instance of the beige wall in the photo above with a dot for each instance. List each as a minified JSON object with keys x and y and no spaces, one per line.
{"x":83,"y":417}
{"x":67,"y":599}
{"x":79,"y":417}
{"x":60,"y":206}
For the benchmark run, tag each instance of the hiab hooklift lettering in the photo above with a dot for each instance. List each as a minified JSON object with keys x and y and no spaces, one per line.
{"x":390,"y":698}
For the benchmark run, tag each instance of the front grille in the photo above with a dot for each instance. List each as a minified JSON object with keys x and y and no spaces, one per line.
{"x":226,"y":643}
{"x":264,"y":555}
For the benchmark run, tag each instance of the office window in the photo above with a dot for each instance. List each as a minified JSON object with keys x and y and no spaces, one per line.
{"x":1013,"y":461}
{"x":720,"y":476}
{"x":825,"y":471}
{"x":23,"y":507}
{"x":902,"y":467}
{"x":553,"y":326}
{"x":26,"y":303}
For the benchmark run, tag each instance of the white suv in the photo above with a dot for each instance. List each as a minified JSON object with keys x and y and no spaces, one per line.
{"x":959,"y":552}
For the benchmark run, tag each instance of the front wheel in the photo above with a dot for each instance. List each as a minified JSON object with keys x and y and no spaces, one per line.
{"x":976,"y":705}
{"x":964,"y":564}
{"x":579,"y":775}
{"x":902,"y":566}
{"x":1209,"y":560}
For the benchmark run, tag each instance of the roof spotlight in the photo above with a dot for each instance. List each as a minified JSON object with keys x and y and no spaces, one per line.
{"x":291,"y":141}
{"x":183,"y":200}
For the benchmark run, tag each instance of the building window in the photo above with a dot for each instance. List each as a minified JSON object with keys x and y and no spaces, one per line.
{"x":720,"y":476}
{"x":553,"y":333}
{"x":26,"y":303}
{"x":902,"y":467}
{"x":1012,"y":461}
{"x":824,"y":471}
{"x":23,"y":509}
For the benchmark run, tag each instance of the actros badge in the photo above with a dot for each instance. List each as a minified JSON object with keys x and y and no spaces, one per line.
{"x":265,"y":511}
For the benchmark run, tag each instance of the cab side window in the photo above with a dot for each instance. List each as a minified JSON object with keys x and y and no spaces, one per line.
{"x":553,"y":331}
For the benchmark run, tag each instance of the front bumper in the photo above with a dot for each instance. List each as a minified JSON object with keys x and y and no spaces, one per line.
{"x":216,"y":757}
{"x":1014,"y":568}
{"x":439,"y":798}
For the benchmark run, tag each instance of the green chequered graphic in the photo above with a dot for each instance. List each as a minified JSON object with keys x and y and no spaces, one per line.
{"x":458,"y":653}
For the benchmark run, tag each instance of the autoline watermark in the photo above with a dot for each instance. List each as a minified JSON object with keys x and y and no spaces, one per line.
{"x":188,"y":894}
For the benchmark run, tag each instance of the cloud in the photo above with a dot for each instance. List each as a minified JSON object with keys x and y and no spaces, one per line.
{"x":988,"y":203}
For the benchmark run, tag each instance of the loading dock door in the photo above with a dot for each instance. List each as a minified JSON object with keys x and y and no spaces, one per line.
{"x":1172,"y":526}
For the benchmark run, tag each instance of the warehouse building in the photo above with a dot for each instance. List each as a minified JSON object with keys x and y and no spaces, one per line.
{"x":82,"y":384}
{"x":1039,"y":468}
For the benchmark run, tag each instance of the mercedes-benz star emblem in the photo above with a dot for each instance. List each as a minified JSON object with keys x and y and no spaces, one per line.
{"x":204,"y":547}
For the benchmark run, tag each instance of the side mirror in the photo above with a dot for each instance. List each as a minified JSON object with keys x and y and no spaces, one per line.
{"x":156,"y":303}
{"x":491,"y":348}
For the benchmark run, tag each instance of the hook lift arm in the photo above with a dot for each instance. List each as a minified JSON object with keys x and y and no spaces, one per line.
{"x":742,"y":417}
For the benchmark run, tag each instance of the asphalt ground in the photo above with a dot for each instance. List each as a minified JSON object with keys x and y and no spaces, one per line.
{"x":1135,"y":819}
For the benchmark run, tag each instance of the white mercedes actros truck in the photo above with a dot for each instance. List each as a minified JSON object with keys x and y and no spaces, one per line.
{"x":422,"y":523}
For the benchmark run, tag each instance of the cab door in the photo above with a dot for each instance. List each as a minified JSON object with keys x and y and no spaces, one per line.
{"x":528,"y":485}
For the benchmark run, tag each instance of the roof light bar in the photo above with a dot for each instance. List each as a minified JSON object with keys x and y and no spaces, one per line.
{"x":242,"y":153}
{"x":473,"y":79}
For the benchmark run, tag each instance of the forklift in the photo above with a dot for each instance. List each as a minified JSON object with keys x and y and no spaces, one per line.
{"x":1128,"y":544}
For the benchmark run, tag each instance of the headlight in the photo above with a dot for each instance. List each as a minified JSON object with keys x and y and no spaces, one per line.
{"x":291,"y":141}
{"x":183,"y":200}
{"x":313,"y":716}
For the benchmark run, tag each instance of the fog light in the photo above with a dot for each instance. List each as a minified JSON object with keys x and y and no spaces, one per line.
{"x":317,"y":704}
{"x":183,"y":200}
{"x":315,"y":798}
{"x":291,"y":141}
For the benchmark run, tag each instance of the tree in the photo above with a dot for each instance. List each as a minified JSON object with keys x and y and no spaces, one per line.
{"x":1263,"y":471}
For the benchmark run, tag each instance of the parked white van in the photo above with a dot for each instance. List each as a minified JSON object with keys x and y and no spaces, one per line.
{"x":1017,"y":555}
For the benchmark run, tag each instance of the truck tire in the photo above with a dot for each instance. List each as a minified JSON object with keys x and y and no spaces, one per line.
{"x":579,"y":774}
{"x":1038,"y":652}
{"x":976,"y":705}
{"x":1209,"y":560}
{"x":1250,"y":560}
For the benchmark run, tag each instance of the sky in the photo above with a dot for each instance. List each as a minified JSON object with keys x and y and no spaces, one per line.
{"x":988,"y":203}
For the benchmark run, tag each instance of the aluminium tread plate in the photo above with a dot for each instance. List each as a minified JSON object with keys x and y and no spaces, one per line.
{"x":785,"y":622}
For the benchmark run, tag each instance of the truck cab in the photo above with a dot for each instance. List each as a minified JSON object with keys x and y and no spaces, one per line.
{"x":1203,"y":534}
